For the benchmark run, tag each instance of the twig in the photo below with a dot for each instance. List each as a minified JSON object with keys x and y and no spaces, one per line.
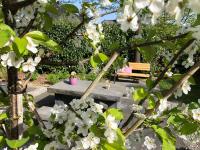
{"x":161,"y":41}
{"x":187,"y":75}
{"x":14,"y":7}
{"x":29,"y":26}
{"x":33,"y":110}
{"x":94,"y":83}
{"x":160,"y":77}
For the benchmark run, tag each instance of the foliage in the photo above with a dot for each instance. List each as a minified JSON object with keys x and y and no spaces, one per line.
{"x":54,"y":78}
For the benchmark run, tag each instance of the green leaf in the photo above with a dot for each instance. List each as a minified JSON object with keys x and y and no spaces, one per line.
{"x":99,"y":132}
{"x":38,"y":35}
{"x":7,"y":28}
{"x":103,"y":57}
{"x":52,"y":9}
{"x":70,"y":8}
{"x":48,"y":21}
{"x":42,"y":39}
{"x":139,"y":94}
{"x":182,"y":124}
{"x":5,"y":37}
{"x":19,"y":46}
{"x":1,"y":16}
{"x":3,"y":116}
{"x":52,"y":45}
{"x":168,"y":140}
{"x":149,"y":83}
{"x":151,"y":102}
{"x":95,"y":61}
{"x":17,"y":143}
{"x":117,"y":113}
{"x":166,"y":84}
{"x":116,"y":145}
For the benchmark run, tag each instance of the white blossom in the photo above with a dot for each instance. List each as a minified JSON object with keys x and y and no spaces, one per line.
{"x":91,"y":141}
{"x":92,"y":32}
{"x":110,"y":122}
{"x":155,"y":6}
{"x":31,"y":46}
{"x":150,"y":143}
{"x":105,"y":2}
{"x":185,"y":88}
{"x":169,"y":73}
{"x":29,"y":65}
{"x":32,"y":147}
{"x":163,"y":105}
{"x":136,"y":107}
{"x":110,"y":134}
{"x":173,"y":8}
{"x":196,"y":114}
{"x":194,"y":5}
{"x":11,"y":60}
{"x":129,"y":19}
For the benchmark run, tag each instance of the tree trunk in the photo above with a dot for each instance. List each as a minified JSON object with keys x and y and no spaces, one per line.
{"x":137,"y":56}
{"x":16,"y":104}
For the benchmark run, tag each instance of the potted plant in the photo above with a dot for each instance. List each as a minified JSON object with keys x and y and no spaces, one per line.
{"x":73,"y":79}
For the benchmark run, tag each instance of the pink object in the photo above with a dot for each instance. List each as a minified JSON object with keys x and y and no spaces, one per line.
{"x":73,"y":81}
{"x":126,"y":69}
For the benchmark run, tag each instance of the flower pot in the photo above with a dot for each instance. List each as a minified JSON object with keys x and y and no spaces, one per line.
{"x":73,"y":81}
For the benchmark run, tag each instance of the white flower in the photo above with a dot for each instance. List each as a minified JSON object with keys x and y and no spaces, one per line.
{"x":91,"y":141}
{"x":29,"y":65}
{"x":186,"y":87}
{"x":92,"y":32}
{"x":155,"y":6}
{"x":173,"y":8}
{"x":32,"y":147}
{"x":169,"y":73}
{"x":110,"y":134}
{"x":31,"y":46}
{"x":136,"y":107}
{"x":178,"y":93}
{"x":140,"y":115}
{"x":105,"y":2}
{"x":150,"y":143}
{"x":194,"y":5}
{"x":10,"y":60}
{"x":110,"y":122}
{"x":196,"y":31}
{"x":43,"y":1}
{"x":196,"y":114}
{"x":128,"y":20}
{"x":54,"y":145}
{"x":140,"y":4}
{"x":97,"y":108}
{"x":163,"y":105}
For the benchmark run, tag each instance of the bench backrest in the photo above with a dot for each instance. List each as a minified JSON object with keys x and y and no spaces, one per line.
{"x":139,"y":66}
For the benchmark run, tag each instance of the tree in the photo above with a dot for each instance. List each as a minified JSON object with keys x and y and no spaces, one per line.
{"x":82,"y":124}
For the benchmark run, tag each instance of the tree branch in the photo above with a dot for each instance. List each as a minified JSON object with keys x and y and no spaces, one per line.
{"x":14,"y":7}
{"x":187,"y":75}
{"x":161,"y":41}
{"x":29,"y":26}
{"x":160,"y":77}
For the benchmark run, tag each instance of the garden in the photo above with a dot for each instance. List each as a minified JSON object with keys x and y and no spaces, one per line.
{"x":116,"y":74}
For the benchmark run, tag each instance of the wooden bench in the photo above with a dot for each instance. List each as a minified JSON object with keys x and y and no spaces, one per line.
{"x":135,"y":67}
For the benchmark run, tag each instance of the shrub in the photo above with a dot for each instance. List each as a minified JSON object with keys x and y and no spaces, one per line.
{"x":54,"y":78}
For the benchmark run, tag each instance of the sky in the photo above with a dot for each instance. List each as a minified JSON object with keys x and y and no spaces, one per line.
{"x":107,"y":17}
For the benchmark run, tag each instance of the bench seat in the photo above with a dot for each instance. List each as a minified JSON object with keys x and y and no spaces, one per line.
{"x":133,"y":75}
